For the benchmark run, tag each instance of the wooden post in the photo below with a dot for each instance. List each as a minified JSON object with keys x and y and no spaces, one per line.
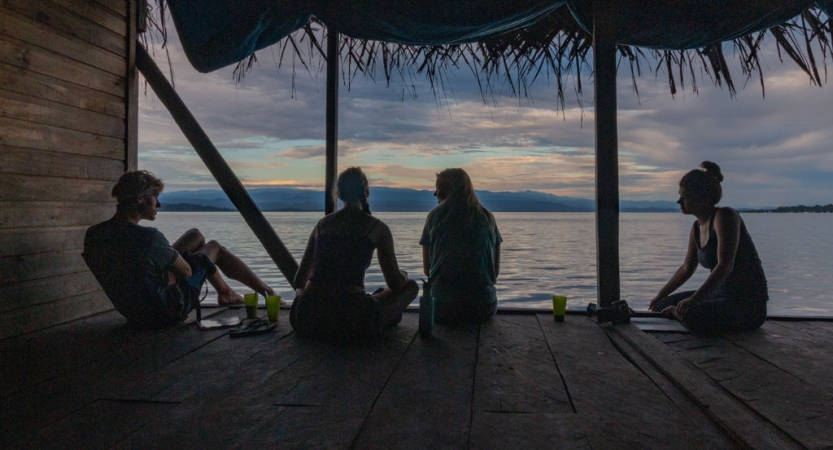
{"x":607,"y":158}
{"x":216,"y":165}
{"x":135,"y":18}
{"x":332,"y":121}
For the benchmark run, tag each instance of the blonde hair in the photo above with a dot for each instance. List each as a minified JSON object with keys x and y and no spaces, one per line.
{"x":134,"y":185}
{"x":461,"y":193}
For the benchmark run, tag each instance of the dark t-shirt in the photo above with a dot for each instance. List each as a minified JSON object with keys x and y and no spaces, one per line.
{"x":131,"y":263}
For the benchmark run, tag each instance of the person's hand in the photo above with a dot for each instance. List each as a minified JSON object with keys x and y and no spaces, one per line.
{"x":669,"y":312}
{"x":651,"y":304}
{"x":683,"y":307}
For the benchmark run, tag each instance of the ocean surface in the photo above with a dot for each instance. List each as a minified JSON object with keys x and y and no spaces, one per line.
{"x":555,"y":253}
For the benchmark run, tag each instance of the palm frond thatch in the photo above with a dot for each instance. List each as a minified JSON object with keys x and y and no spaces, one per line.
{"x":554,"y":48}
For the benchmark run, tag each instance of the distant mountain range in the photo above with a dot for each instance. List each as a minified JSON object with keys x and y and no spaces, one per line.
{"x":395,"y":199}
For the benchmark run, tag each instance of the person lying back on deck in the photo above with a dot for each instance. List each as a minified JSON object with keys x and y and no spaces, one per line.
{"x":151,"y":283}
{"x":460,"y":252}
{"x":734,"y":296}
{"x":331,"y":298}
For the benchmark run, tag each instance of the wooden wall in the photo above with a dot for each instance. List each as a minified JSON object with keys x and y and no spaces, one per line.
{"x":67,"y":132}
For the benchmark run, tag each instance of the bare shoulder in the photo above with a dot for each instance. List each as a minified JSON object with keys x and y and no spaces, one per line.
{"x":725,"y":216}
{"x":380,"y":231}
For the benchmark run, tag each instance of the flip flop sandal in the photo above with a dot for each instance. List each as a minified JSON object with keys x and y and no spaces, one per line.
{"x":256,"y":327}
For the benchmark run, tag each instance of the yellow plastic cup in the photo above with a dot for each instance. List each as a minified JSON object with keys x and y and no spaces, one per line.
{"x":559,"y":305}
{"x":273,"y":307}
{"x":251,"y":305}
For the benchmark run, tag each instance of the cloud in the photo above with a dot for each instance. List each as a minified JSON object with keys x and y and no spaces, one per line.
{"x":774,"y":149}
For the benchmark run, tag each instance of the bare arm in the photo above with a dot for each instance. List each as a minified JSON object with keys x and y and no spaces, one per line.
{"x":682,"y":274}
{"x":305,"y":267}
{"x":497,"y":260}
{"x":394,"y":278}
{"x":181,"y":268}
{"x":426,"y":260}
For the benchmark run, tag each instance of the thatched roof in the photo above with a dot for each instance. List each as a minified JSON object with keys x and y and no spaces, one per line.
{"x":509,"y":44}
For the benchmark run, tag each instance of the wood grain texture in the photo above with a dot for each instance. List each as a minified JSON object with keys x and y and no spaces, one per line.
{"x":33,"y":109}
{"x":24,"y":188}
{"x":19,"y":80}
{"x":117,"y":6}
{"x":45,"y":62}
{"x":601,"y":379}
{"x":53,"y":214}
{"x":29,"y":162}
{"x":16,"y":269}
{"x":52,"y":14}
{"x":27,"y":241}
{"x":802,"y":349}
{"x":46,"y":290}
{"x":37,"y":33}
{"x":33,"y":318}
{"x":798,"y":409}
{"x":515,"y":369}
{"x":23,"y":134}
{"x":427,"y":401}
{"x":106,"y":354}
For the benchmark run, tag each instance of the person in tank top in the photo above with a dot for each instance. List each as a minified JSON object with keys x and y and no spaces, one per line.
{"x":734,"y":296}
{"x":331,"y":298}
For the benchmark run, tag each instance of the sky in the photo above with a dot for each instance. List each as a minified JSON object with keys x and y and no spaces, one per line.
{"x":775,"y":150}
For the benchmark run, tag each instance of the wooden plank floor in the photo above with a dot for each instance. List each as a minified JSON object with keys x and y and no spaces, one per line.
{"x":518,"y":381}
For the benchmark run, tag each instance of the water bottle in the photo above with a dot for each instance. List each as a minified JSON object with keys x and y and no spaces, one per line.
{"x":426,"y":310}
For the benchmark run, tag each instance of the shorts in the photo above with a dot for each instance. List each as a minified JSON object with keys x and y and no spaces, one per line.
{"x":184,"y":296}
{"x":201,"y":268}
{"x":341,"y":316}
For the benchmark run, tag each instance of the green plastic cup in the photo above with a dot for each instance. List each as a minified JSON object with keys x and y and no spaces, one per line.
{"x":273,"y":307}
{"x":559,"y":305}
{"x":251,"y":305}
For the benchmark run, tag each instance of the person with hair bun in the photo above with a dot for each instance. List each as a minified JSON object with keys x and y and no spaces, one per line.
{"x":330,"y":299}
{"x":734,"y":296}
{"x":152,"y":283}
{"x":460,"y":252}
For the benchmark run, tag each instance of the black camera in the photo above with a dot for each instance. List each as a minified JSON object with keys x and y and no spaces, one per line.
{"x":618,"y":312}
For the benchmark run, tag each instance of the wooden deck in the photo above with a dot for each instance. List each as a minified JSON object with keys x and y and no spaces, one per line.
{"x":519,"y":381}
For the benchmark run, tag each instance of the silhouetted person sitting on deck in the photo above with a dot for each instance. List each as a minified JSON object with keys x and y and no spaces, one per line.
{"x":151,"y":283}
{"x":460,"y":252}
{"x":734,"y":295}
{"x":331,"y":298}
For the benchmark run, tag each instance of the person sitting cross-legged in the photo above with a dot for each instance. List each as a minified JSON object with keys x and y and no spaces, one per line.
{"x":151,"y":283}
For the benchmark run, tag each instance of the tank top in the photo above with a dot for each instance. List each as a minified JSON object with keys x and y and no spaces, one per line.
{"x":342,"y":260}
{"x":747,"y":279}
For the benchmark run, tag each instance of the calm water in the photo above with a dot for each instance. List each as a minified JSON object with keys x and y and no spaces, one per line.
{"x":548,"y":253}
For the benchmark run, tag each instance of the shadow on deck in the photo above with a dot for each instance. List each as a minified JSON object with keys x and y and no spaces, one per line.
{"x":518,"y":381}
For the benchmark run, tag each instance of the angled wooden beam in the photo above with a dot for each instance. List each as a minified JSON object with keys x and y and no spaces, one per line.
{"x":607,"y":157}
{"x":216,"y":164}
{"x":332,"y":121}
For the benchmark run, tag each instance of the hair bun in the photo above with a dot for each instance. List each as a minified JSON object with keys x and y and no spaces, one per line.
{"x":712,"y":170}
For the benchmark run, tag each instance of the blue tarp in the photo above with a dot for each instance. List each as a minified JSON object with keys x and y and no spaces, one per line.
{"x":687,"y":24}
{"x":216,"y":33}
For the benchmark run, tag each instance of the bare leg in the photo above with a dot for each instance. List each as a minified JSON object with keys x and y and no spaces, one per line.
{"x":235,"y":269}
{"x":189,"y":242}
{"x":393,"y":303}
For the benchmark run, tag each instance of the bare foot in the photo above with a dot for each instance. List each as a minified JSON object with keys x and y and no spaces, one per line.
{"x":229,"y":298}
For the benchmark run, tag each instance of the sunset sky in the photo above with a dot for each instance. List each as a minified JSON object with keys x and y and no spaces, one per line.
{"x":774,"y":150}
